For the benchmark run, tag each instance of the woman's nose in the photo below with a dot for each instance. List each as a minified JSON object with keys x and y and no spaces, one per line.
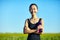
{"x":32,"y":10}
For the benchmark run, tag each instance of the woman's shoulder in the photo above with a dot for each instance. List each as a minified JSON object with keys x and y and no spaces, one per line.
{"x":41,"y":19}
{"x":27,"y":20}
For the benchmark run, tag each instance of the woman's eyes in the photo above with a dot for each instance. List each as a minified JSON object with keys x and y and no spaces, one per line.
{"x":33,"y":8}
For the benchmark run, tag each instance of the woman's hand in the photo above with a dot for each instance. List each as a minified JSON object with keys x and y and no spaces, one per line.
{"x":39,"y":29}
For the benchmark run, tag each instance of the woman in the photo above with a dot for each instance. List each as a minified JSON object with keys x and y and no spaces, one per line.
{"x":33,"y":26}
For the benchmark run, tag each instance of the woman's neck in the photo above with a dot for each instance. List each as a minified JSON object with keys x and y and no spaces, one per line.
{"x":34,"y":16}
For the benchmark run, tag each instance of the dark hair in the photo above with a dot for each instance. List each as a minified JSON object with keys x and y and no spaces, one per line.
{"x":33,"y":4}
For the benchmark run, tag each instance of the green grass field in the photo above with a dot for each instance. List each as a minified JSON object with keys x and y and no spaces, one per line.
{"x":19,"y":36}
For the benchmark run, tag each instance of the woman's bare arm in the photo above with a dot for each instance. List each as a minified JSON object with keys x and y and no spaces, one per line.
{"x":40,"y":27}
{"x":27,"y":30}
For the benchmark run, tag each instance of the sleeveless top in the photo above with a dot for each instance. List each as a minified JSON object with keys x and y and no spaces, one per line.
{"x":33,"y":36}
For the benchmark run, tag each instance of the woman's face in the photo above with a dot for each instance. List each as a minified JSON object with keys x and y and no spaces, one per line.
{"x":33,"y":9}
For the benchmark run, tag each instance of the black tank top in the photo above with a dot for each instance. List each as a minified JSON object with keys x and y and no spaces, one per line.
{"x":33,"y":36}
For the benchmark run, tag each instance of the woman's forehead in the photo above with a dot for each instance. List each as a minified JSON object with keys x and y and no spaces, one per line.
{"x":33,"y":6}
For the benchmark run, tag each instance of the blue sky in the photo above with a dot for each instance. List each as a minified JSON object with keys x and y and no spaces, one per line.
{"x":13,"y":14}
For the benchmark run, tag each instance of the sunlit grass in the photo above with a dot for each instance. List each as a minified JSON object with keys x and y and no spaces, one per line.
{"x":19,"y":36}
